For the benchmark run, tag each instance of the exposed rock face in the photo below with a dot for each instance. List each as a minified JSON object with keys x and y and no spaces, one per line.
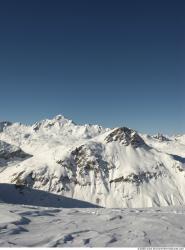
{"x":138,"y":179}
{"x":8,"y":151}
{"x":36,"y":126}
{"x":4,"y":125}
{"x":161,"y":137}
{"x":84,"y":161}
{"x":126,"y":137}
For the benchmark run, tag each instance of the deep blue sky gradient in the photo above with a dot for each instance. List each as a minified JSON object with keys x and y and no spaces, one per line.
{"x":118,"y":62}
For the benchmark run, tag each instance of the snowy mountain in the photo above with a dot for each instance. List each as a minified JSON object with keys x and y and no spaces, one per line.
{"x":109,"y":167}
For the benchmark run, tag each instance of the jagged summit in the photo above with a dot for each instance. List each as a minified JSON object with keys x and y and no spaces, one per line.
{"x":161,"y":137}
{"x":62,"y":119}
{"x":125,"y":136}
{"x":61,"y":124}
{"x":58,"y":120}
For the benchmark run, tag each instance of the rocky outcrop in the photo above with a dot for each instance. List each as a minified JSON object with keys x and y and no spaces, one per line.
{"x":139,"y":178}
{"x":4,"y":124}
{"x":8,"y":152}
{"x":126,"y":137}
{"x":161,"y":137}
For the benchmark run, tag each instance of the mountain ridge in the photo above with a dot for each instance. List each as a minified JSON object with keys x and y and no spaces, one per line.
{"x":116,"y":167}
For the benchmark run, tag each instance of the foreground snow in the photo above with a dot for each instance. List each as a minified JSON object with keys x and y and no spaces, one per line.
{"x":31,"y":226}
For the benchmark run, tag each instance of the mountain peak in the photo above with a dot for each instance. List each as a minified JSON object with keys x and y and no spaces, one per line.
{"x":62,"y":119}
{"x":48,"y":123}
{"x":125,"y":136}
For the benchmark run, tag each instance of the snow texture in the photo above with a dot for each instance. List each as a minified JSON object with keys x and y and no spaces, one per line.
{"x":31,"y":226}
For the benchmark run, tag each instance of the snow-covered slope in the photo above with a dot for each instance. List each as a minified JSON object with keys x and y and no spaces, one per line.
{"x":110,"y":167}
{"x":31,"y":226}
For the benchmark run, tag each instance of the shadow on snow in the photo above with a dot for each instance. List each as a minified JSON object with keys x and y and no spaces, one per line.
{"x":10,"y":193}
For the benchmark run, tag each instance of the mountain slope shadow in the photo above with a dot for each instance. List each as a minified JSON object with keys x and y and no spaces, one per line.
{"x":11,"y":194}
{"x":178,"y":158}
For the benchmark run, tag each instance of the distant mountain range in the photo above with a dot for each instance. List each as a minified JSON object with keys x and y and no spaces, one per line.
{"x":109,"y":167}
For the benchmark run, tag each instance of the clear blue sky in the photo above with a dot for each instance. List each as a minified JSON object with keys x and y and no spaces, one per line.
{"x":118,"y":62}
